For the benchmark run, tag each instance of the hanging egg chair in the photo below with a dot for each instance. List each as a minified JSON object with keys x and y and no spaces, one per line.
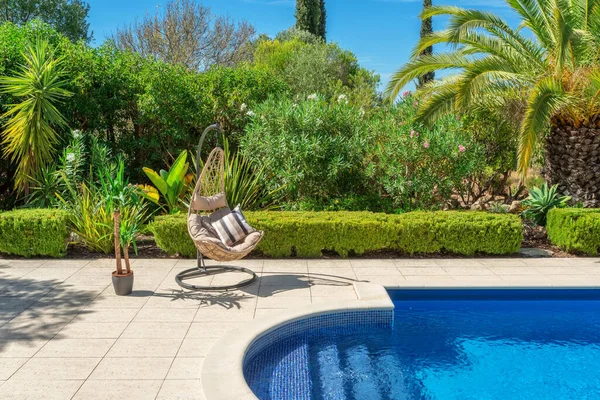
{"x":209,"y":199}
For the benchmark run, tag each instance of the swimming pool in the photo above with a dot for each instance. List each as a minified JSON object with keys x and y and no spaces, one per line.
{"x":445,"y":344}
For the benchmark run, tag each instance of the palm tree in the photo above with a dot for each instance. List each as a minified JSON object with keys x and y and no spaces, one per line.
{"x":550,"y":65}
{"x":29,"y":135}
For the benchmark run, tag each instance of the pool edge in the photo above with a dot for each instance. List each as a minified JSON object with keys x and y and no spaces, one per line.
{"x":222,"y":374}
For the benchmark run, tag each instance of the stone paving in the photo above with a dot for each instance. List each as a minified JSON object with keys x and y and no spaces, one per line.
{"x":65,"y":335}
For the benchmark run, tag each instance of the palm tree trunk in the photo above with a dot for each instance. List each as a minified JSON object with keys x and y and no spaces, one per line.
{"x":573,"y":162}
{"x":117,"y":218}
{"x":426,"y":29}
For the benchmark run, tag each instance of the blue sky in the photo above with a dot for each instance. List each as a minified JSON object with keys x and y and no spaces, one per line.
{"x":380,"y":32}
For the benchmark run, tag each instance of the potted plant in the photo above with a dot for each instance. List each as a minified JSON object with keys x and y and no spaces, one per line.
{"x":122,"y":279}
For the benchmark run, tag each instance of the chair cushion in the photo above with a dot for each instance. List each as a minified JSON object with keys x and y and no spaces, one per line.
{"x":207,"y":203}
{"x":247,"y":242}
{"x":200,"y":228}
{"x":230,"y":225}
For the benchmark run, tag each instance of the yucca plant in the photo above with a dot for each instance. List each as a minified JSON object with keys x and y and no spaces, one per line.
{"x":541,"y":200}
{"x":29,"y":134}
{"x":552,"y":68}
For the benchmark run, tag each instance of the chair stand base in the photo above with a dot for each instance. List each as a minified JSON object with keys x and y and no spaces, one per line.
{"x":199,"y":272}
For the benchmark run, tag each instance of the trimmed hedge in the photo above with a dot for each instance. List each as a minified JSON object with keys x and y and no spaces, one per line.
{"x":575,"y":230}
{"x":34,"y":232}
{"x":307,"y":234}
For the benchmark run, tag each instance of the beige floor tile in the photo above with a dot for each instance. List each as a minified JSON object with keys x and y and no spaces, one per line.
{"x":527,"y":280}
{"x":196,"y":347}
{"x":468,"y":271}
{"x":118,"y":390}
{"x":9,"y":366}
{"x":224,"y":314}
{"x":282,"y":302}
{"x":44,"y":389}
{"x":385,"y":271}
{"x":329,"y":264}
{"x":575,"y":280}
{"x":341,"y":292}
{"x":21,"y":347}
{"x":479,"y":281}
{"x":416,"y":262}
{"x":503,"y":262}
{"x":109,"y":300}
{"x":56,"y":368}
{"x":359,"y":263}
{"x":165,"y":315}
{"x":92,"y":330}
{"x":422,"y":271}
{"x":207,"y":329}
{"x":429,"y":281}
{"x":181,"y":390}
{"x":277,"y":279}
{"x":385,"y":280}
{"x":593,"y":270}
{"x":186,"y":368}
{"x":162,"y":263}
{"x":53,"y":273}
{"x":132,"y":368}
{"x":145,"y":348}
{"x":156,"y":330}
{"x":284,"y":291}
{"x":92,"y":315}
{"x":459,"y":262}
{"x":514,"y":270}
{"x":16,"y":264}
{"x":567,"y":270}
{"x":327,"y":299}
{"x":267,"y":312}
{"x":59,"y":347}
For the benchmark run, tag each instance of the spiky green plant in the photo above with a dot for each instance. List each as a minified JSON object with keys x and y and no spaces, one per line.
{"x":29,"y":134}
{"x":551,"y":63}
{"x":541,"y":200}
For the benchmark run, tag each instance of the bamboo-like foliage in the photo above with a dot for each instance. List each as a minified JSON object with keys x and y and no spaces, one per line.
{"x":551,"y":62}
{"x":29,"y":134}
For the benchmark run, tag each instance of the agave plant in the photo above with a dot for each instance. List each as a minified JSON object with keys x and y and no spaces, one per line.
{"x":552,"y":68}
{"x":29,"y":135}
{"x":171,"y":185}
{"x":541,"y":200}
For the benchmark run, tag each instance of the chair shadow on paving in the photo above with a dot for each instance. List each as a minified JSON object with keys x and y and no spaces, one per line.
{"x":225,"y":299}
{"x":37,"y":309}
{"x":282,"y":282}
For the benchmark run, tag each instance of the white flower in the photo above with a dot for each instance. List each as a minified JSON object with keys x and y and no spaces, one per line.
{"x":361,"y":112}
{"x":76,"y":133}
{"x":294,"y":105}
{"x":312,"y":96}
{"x":243,"y":107}
{"x":343,"y":97}
{"x":250,"y":113}
{"x":71,"y":157}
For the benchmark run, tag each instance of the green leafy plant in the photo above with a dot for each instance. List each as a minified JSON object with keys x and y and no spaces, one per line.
{"x":29,"y":135}
{"x":34,"y":232}
{"x":546,"y":77}
{"x":575,"y":230}
{"x":307,"y":234}
{"x":541,"y":200}
{"x":169,"y":185}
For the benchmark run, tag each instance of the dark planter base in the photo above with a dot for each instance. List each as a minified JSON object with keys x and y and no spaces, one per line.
{"x":123,"y":284}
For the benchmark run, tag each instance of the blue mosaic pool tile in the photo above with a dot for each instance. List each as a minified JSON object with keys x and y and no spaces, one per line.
{"x":289,"y":378}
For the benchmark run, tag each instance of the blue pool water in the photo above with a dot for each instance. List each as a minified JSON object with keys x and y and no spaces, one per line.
{"x":446,"y":344}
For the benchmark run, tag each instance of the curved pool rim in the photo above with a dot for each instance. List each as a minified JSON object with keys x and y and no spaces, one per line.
{"x":222,"y":374}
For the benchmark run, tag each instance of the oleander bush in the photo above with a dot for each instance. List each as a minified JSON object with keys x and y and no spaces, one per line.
{"x":34,"y":232}
{"x":308,"y":234}
{"x":575,"y":230}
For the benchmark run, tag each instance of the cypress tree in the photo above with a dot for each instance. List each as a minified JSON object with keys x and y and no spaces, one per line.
{"x":310,"y":16}
{"x":322,"y":28}
{"x":426,"y":29}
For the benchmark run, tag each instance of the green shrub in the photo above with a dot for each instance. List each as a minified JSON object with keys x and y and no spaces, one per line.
{"x":575,"y":229}
{"x":307,"y":234}
{"x":314,"y":148}
{"x":34,"y":232}
{"x":421,"y":167}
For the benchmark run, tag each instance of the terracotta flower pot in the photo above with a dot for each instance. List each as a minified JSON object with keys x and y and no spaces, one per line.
{"x":123,"y":284}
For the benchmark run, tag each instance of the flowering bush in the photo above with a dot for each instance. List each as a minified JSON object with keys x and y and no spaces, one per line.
{"x":421,"y":167}
{"x":315,"y":148}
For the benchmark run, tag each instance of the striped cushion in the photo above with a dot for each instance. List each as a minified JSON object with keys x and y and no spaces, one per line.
{"x":231,"y":226}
